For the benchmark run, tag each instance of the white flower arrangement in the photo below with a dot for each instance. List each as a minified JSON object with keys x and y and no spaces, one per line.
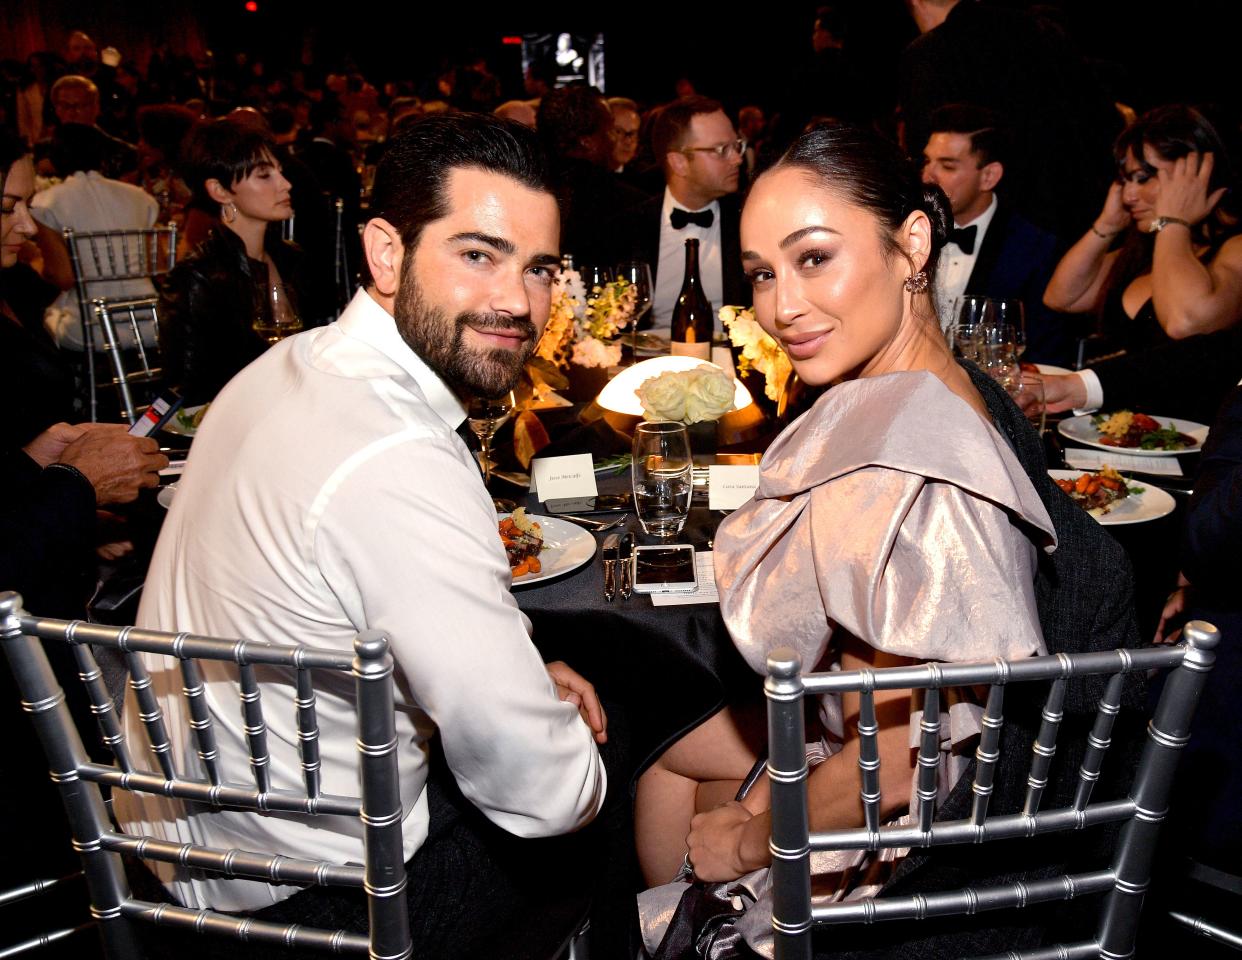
{"x":688,"y":396}
{"x":583,"y":323}
{"x":758,"y":350}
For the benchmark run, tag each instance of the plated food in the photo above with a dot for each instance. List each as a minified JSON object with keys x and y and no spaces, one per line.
{"x":1111,"y":498}
{"x":1097,"y":492}
{"x":1137,"y":434}
{"x":523,"y":540}
{"x":186,"y":421}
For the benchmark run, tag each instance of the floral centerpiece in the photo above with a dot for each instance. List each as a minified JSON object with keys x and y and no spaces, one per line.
{"x":584,"y":324}
{"x":690,"y":396}
{"x":758,"y":350}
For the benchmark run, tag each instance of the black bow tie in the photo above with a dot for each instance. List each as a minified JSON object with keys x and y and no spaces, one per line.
{"x":964,"y":237}
{"x":679,"y":218}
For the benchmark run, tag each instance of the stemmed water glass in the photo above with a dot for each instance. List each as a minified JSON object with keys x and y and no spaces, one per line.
{"x":1011,"y":315}
{"x":1027,"y":390}
{"x":277,"y":318}
{"x":486,"y":415}
{"x":661,"y":477}
{"x":966,"y":324}
{"x":638,"y":273}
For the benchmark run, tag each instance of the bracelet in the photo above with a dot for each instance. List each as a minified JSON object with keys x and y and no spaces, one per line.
{"x":1103,"y":236}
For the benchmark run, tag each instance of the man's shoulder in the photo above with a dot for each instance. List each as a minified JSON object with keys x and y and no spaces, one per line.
{"x":1018,"y":232}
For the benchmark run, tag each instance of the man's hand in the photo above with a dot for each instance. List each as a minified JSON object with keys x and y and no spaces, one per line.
{"x":1063,"y":391}
{"x":47,"y":447}
{"x":116,"y":464}
{"x":722,"y":842}
{"x":572,"y":687}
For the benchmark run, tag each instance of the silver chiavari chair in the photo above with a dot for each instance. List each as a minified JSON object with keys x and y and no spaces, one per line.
{"x":1122,"y":883}
{"x":149,"y":768}
{"x":138,"y":366}
{"x":111,"y":256}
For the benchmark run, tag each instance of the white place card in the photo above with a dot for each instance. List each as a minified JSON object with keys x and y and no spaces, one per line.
{"x":705,"y":592}
{"x":174,"y":469}
{"x":728,"y":487}
{"x":553,"y":478}
{"x":1080,"y":459}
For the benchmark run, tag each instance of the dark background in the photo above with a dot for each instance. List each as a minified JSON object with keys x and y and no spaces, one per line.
{"x":1145,"y":51}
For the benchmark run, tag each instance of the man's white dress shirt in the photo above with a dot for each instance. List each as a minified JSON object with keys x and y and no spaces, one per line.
{"x":327,"y":492}
{"x":671,"y":268}
{"x":90,"y":202}
{"x":955,"y":266}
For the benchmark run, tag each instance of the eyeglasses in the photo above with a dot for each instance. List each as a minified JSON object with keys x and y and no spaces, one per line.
{"x":722,"y":150}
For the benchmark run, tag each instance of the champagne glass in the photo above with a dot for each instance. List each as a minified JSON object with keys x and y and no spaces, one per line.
{"x":486,"y":415}
{"x":277,"y":318}
{"x":967,"y":323}
{"x":638,"y":273}
{"x":661,"y":477}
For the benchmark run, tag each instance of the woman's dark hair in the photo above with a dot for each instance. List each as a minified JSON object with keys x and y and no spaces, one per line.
{"x":223,"y":150}
{"x":410,"y":182}
{"x":874,"y":174}
{"x":1173,"y":131}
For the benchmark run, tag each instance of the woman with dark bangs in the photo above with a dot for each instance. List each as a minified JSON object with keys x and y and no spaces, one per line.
{"x":1178,"y":271}
{"x":213,"y":297}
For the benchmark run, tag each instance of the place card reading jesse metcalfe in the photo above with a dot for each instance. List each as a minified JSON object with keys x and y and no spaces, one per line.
{"x":553,"y":478}
{"x":728,"y":487}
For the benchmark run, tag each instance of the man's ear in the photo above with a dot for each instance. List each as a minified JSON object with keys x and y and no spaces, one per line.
{"x":678,"y":162}
{"x":991,"y":174}
{"x":215,"y":190}
{"x":381,"y":243}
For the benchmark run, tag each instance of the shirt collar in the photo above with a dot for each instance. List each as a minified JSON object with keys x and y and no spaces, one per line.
{"x":671,"y":204}
{"x":366,"y":320}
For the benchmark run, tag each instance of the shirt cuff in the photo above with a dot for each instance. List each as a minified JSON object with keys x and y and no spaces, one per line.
{"x":1095,"y":392}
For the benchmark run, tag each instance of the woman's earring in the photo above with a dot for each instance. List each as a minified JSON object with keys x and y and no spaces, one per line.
{"x":917,"y":283}
{"x":228,"y":213}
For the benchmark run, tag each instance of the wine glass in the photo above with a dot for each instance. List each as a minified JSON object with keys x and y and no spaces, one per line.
{"x":486,"y":415}
{"x":1011,"y":314}
{"x":661,"y":477}
{"x":996,"y":354}
{"x":1027,"y":390}
{"x":638,"y":273}
{"x":967,"y":321}
{"x":277,"y":318}
{"x":595,"y":275}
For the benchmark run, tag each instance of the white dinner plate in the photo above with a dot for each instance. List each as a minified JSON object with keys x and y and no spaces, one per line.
{"x":178,"y":424}
{"x":566,"y":547}
{"x":165,"y":497}
{"x":1152,"y":504}
{"x":1052,"y":369}
{"x":1083,"y":430}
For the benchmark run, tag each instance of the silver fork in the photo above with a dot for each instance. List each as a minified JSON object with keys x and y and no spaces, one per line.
{"x":596,"y":525}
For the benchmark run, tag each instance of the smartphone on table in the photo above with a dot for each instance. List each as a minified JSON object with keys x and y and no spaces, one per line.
{"x":665,"y":569}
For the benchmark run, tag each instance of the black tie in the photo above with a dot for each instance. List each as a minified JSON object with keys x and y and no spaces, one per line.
{"x":964,"y":237}
{"x":679,"y":218}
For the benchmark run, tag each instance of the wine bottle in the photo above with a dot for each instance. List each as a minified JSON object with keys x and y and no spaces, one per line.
{"x":692,"y":314}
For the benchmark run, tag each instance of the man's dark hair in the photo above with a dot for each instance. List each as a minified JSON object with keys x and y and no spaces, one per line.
{"x":224,"y":150}
{"x":412,"y":177}
{"x":672,"y":124}
{"x":77,"y":147}
{"x":164,"y":126}
{"x":987,"y":130}
{"x":567,"y":115}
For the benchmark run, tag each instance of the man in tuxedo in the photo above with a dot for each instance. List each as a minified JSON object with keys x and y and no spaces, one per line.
{"x":699,"y":150}
{"x":992,"y":249}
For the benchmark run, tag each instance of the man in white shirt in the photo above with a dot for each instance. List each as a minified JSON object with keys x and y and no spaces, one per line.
{"x":695,"y":142}
{"x":992,"y":250}
{"x":327,"y":492}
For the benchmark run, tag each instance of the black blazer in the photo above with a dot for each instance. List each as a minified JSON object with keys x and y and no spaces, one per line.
{"x":1016,"y":260}
{"x":1180,"y":378}
{"x":638,"y":237}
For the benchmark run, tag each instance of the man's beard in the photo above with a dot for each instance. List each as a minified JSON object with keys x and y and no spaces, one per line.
{"x":441,"y":342}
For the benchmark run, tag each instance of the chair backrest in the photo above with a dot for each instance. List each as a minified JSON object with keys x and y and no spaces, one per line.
{"x":81,"y":781}
{"x":1123,"y":882}
{"x":108,"y":257}
{"x":138,"y":364}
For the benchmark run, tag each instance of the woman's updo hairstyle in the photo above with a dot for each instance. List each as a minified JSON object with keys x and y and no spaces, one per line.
{"x":873,"y":173}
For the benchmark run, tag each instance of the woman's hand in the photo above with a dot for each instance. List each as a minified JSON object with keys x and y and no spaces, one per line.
{"x":1184,"y":189}
{"x":1114,"y":218}
{"x":573,"y":688}
{"x":1174,"y":607}
{"x":727,"y":842}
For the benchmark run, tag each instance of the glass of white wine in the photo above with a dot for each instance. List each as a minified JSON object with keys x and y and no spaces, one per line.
{"x":486,"y":415}
{"x":661,"y":477}
{"x":277,"y":318}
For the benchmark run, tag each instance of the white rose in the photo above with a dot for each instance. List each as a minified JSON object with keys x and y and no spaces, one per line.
{"x":664,"y":397}
{"x":710,"y":395}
